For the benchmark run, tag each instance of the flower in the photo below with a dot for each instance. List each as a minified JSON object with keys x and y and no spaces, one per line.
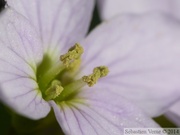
{"x":33,"y":78}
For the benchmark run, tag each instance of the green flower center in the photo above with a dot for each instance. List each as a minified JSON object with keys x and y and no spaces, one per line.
{"x":57,"y":81}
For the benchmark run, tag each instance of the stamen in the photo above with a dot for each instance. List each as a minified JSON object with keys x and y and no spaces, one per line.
{"x":73,"y":54}
{"x":74,"y":65}
{"x":98,"y":72}
{"x":70,"y":90}
{"x":73,"y":88}
{"x":54,"y":90}
{"x":50,"y":75}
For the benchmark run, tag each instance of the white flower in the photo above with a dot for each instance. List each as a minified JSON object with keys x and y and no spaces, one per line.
{"x":140,"y":53}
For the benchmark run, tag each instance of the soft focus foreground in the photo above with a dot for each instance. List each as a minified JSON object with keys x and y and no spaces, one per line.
{"x":112,"y":8}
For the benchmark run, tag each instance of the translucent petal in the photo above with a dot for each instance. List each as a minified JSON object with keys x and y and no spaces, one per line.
{"x":99,"y":112}
{"x":20,"y":52}
{"x":174,"y":113}
{"x":175,"y":8}
{"x":60,"y":23}
{"x":142,"y":53}
{"x":111,"y":8}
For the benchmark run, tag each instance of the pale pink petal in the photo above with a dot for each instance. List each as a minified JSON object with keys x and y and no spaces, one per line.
{"x":175,"y":8}
{"x":142,"y":53}
{"x":174,"y":113}
{"x":60,"y":23}
{"x":98,"y":112}
{"x":20,"y":52}
{"x":111,"y":8}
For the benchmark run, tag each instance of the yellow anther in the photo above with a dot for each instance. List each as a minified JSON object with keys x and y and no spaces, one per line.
{"x":54,"y":90}
{"x":73,"y":54}
{"x":98,"y":72}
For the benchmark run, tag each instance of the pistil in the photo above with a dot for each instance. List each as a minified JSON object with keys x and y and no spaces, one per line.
{"x":51,"y":74}
{"x":70,"y":90}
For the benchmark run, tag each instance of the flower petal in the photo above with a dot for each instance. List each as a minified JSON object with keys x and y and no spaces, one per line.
{"x":174,"y":113}
{"x":142,"y":53}
{"x":99,"y":112}
{"x":61,"y":23}
{"x":20,"y":52}
{"x":175,"y":8}
{"x":111,"y":8}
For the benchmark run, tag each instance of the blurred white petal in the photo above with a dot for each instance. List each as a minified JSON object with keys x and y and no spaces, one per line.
{"x":60,"y":23}
{"x":97,"y":111}
{"x":142,"y":53}
{"x":20,"y":52}
{"x":111,"y":8}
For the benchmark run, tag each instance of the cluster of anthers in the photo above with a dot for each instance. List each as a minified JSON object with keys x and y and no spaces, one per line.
{"x":71,"y":62}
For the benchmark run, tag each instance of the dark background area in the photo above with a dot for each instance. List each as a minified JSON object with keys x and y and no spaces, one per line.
{"x":5,"y":119}
{"x":2,"y":4}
